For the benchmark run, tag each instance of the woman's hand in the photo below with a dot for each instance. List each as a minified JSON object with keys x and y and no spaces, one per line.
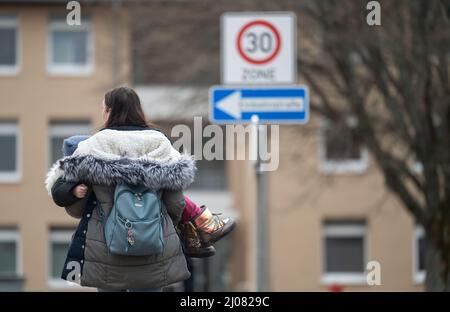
{"x":80,"y":191}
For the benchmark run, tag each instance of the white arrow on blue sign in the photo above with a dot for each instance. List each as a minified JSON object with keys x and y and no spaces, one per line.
{"x":270,"y":104}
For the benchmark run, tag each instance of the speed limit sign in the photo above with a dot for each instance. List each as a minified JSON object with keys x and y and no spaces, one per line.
{"x":258,"y":48}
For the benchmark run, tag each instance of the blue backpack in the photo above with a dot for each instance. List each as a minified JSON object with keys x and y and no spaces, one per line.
{"x":135,"y":225}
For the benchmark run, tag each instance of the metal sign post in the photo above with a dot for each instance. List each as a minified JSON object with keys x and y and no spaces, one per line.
{"x":261,"y":213}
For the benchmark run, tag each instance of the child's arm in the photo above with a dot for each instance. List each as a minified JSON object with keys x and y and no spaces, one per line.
{"x":174,"y":202}
{"x":63,"y":196}
{"x":62,"y":193}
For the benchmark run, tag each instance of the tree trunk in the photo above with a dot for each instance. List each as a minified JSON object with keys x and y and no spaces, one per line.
{"x":437,"y":254}
{"x":435,"y":280}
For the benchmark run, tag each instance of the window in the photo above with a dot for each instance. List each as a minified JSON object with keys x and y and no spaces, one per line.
{"x":9,"y":43}
{"x":9,"y":253}
{"x":341,"y":149}
{"x":70,"y":48}
{"x":419,"y":255}
{"x":62,"y":130}
{"x":344,"y":252}
{"x":9,"y":157}
{"x":59,"y":245}
{"x":211,"y":174}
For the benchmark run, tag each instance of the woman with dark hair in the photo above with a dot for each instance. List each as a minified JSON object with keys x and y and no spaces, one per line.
{"x":128,"y":151}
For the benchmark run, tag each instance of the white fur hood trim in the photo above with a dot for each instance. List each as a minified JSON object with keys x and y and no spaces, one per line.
{"x":137,"y":157}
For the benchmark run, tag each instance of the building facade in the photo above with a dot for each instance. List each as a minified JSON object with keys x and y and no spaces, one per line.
{"x":52,"y":79}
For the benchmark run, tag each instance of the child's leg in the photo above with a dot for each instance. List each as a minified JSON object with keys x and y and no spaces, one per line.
{"x":210,"y":227}
{"x":193,"y":247}
{"x":190,"y":210}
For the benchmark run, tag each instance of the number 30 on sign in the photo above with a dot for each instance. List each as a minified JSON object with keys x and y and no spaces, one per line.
{"x":258,"y":48}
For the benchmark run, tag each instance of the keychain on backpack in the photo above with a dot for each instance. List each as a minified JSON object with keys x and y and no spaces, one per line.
{"x":130,"y":236}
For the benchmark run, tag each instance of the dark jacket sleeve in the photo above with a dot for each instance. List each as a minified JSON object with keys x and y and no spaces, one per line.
{"x":174,"y":203}
{"x":62,"y":193}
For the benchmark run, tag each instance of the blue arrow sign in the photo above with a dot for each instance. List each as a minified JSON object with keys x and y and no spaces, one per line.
{"x":270,"y":104}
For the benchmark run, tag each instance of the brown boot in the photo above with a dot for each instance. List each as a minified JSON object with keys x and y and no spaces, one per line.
{"x":192,"y":246}
{"x":210,"y":227}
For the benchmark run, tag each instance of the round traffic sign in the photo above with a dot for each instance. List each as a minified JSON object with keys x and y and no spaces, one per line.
{"x":258,"y":42}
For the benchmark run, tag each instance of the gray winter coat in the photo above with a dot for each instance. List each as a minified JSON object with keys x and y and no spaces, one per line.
{"x":143,"y":157}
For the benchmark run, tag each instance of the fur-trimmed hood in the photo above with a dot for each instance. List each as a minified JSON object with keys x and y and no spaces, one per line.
{"x":144,"y":157}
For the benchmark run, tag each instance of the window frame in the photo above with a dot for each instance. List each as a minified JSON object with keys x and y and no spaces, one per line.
{"x":418,"y":275}
{"x":12,"y":127}
{"x":58,"y":236}
{"x":8,"y":21}
{"x":71,"y":69}
{"x":13,"y":235}
{"x":65,"y":129}
{"x":346,"y":229}
{"x":349,"y":166}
